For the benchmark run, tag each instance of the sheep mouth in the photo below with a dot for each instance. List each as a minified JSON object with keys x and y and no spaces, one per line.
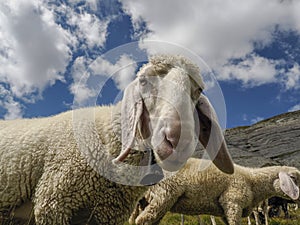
{"x":169,"y":157}
{"x":165,"y":149}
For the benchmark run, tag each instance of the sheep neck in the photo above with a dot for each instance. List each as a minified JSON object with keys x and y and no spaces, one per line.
{"x":263,"y":183}
{"x":109,"y":130}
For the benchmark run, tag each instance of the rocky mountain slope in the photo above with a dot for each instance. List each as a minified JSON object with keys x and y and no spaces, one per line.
{"x":274,"y":141}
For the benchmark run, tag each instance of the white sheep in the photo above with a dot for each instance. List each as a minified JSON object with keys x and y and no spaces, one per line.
{"x":271,"y":208}
{"x":64,"y":164}
{"x":192,"y":191}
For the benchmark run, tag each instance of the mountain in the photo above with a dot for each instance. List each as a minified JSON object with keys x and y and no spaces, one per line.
{"x":274,"y":141}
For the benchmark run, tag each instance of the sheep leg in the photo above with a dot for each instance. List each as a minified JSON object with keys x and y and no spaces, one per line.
{"x":182,"y":219}
{"x":57,"y":197}
{"x":213,"y":221}
{"x":159,"y":206}
{"x":285,"y":210}
{"x":50,"y":211}
{"x":266,"y":211}
{"x":134,"y":214}
{"x":256,"y":217}
{"x":248,"y":220}
{"x":233,"y":214}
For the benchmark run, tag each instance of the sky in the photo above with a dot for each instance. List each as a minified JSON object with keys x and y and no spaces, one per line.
{"x":53,"y":53}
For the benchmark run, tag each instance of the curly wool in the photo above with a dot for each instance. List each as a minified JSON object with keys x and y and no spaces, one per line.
{"x":163,"y":63}
{"x":195,"y":192}
{"x":40,"y":162}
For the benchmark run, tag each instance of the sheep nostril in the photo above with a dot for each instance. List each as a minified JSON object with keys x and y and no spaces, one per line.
{"x":172,"y":141}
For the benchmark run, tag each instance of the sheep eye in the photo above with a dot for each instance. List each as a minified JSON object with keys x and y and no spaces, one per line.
{"x":197,"y":93}
{"x":143,"y":81}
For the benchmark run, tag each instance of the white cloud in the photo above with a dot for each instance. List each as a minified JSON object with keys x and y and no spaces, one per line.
{"x":89,"y":76}
{"x":256,"y":120}
{"x":89,"y":28}
{"x":79,"y":87}
{"x":252,"y":70}
{"x":34,"y":50}
{"x":220,"y":31}
{"x":122,"y":72}
{"x":294,"y":108}
{"x":292,"y":77}
{"x":90,"y":3}
{"x":13,"y":108}
{"x":37,"y":42}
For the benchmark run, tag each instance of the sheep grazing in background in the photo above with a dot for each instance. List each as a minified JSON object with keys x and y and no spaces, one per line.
{"x":194,"y":192}
{"x":68,"y":163}
{"x":271,"y":208}
{"x":260,"y":214}
{"x":274,"y":205}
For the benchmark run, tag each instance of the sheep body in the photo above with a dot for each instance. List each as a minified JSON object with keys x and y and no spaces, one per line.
{"x":64,"y":163}
{"x":212,"y":192}
{"x":45,"y":166}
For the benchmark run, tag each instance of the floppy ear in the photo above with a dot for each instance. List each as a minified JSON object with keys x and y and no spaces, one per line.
{"x":288,"y":186}
{"x":211,"y":136}
{"x":131,"y":111}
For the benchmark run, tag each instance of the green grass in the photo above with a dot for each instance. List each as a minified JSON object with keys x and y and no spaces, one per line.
{"x":175,"y":219}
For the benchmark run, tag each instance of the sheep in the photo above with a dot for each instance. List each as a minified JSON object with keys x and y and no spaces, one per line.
{"x":101,"y":158}
{"x":193,"y":191}
{"x":260,"y":214}
{"x":271,"y":208}
{"x":275,"y":203}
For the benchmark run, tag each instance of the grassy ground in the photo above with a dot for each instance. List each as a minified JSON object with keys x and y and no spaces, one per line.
{"x":175,"y":219}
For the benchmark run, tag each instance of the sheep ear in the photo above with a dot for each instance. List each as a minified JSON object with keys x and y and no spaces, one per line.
{"x":209,"y":128}
{"x":131,"y":111}
{"x":288,"y":186}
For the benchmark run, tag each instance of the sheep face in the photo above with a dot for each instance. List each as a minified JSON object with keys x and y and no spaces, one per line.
{"x":164,"y":105}
{"x":170,"y":109}
{"x":287,"y":183}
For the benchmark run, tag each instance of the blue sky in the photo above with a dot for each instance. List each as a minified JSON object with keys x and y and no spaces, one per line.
{"x":252,"y":47}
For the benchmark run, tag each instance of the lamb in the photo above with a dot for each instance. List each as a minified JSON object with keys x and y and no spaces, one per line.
{"x":101,"y":158}
{"x":271,"y":208}
{"x":193,"y":191}
{"x":275,"y":203}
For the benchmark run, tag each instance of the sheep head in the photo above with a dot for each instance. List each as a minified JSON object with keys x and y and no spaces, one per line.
{"x":287,"y":183}
{"x":165,"y":107}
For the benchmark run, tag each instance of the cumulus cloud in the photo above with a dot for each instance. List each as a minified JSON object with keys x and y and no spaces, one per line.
{"x":90,"y":76}
{"x":220,"y":31}
{"x":88,"y":28}
{"x":13,"y":108}
{"x":122,"y":72}
{"x":34,"y":53}
{"x":80,"y":74}
{"x":37,"y":43}
{"x":252,"y":70}
{"x":292,"y":77}
{"x":34,"y":50}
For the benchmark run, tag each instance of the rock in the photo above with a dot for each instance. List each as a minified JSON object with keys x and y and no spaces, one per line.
{"x":274,"y":141}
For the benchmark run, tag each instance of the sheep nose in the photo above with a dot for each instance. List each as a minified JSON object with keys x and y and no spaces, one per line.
{"x":172,"y":133}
